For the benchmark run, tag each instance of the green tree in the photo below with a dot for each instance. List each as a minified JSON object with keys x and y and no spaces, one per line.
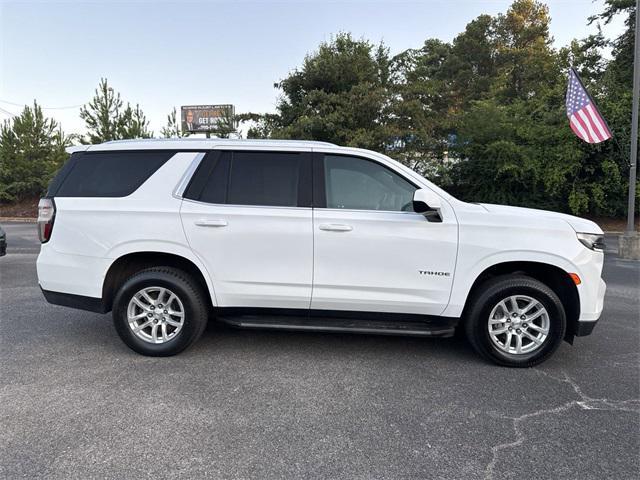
{"x":32,"y":149}
{"x":615,"y":99}
{"x":418,"y":112}
{"x":338,"y":95}
{"x":102,"y":115}
{"x":133,"y":124}
{"x":514,"y":144}
{"x":106,"y":119}
{"x":525,"y":59}
{"x":525,"y":155}
{"x":172,"y":129}
{"x":483,"y":115}
{"x":471,"y":67}
{"x":502,"y":59}
{"x":261,"y":125}
{"x":621,"y":65}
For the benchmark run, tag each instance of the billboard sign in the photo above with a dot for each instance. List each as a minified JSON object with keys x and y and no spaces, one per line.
{"x":207,"y":118}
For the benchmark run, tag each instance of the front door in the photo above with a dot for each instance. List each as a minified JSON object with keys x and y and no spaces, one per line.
{"x":247,"y":216}
{"x":372,"y":252}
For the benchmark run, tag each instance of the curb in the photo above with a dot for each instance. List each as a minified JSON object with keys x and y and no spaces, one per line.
{"x":18,"y":219}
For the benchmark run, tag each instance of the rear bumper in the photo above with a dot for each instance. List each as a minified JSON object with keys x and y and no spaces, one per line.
{"x":77,"y":275}
{"x":80,"y":302}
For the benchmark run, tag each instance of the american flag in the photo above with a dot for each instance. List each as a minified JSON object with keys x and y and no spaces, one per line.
{"x":584,"y":118}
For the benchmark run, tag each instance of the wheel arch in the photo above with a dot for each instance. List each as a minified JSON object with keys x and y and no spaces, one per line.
{"x":129,"y":263}
{"x":553,"y":276}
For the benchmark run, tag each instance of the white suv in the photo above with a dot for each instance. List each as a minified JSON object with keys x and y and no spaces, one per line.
{"x":307,"y":236}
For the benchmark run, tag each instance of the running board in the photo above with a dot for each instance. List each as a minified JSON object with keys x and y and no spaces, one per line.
{"x":314,"y":324}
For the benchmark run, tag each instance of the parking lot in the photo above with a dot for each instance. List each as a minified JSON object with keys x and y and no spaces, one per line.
{"x":75,"y":402}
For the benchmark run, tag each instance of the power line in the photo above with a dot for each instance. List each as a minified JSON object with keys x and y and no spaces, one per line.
{"x":7,"y":112}
{"x":44,"y":108}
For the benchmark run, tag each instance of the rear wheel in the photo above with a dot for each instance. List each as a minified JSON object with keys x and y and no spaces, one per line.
{"x":515,"y":320}
{"x":160,"y":311}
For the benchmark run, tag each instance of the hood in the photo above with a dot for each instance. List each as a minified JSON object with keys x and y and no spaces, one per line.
{"x":580,"y":225}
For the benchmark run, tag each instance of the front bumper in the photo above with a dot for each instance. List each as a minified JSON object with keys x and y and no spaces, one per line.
{"x":588,"y":320}
{"x":585,"y":328}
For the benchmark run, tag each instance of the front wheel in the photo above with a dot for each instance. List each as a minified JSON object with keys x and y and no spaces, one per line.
{"x":160,"y":311}
{"x":515,"y":321}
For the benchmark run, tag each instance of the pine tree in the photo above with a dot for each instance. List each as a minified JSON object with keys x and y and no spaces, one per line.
{"x":133,"y":124}
{"x":102,"y":114}
{"x":106,"y":120}
{"x":172,"y":129}
{"x":32,"y":149}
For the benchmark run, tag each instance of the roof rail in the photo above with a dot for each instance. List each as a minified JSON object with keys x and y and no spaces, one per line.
{"x":221,"y":140}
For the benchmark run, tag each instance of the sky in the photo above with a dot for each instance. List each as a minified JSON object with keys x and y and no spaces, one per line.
{"x":162,"y":54}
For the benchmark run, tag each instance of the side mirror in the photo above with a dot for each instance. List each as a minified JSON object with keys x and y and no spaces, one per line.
{"x":428,"y":204}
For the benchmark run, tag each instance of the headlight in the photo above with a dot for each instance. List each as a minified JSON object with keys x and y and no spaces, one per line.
{"x":594,"y":241}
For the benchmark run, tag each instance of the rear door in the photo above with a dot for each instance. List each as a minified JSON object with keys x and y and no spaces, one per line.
{"x":247,"y":215}
{"x":373,"y":253}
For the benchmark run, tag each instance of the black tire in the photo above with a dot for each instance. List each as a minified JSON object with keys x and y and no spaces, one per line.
{"x":489,"y":294}
{"x":189,"y":293}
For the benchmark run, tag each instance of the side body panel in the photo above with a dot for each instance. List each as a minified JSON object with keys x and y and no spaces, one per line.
{"x":389,"y":261}
{"x":382,"y":261}
{"x":487,"y":239}
{"x":257,"y":256}
{"x":89,"y":234}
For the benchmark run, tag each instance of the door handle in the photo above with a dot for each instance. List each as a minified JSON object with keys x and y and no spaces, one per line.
{"x":211,"y":223}
{"x":335,"y":227}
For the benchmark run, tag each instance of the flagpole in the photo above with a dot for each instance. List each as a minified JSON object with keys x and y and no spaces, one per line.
{"x":633,"y":160}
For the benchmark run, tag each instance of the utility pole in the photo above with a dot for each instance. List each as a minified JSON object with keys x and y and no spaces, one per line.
{"x":634,"y":126}
{"x":630,"y":241}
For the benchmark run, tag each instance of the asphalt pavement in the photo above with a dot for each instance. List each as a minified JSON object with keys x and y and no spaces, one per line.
{"x":75,"y":402}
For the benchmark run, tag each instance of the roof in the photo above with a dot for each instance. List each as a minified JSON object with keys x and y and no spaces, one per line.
{"x":195,"y":144}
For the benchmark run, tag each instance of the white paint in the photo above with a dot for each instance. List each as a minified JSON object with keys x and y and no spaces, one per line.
{"x":280,"y":257}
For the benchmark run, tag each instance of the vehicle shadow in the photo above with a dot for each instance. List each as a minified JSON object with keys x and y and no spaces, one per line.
{"x":280,"y":342}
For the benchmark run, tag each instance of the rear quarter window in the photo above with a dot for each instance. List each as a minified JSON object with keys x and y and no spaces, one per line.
{"x":107,"y":174}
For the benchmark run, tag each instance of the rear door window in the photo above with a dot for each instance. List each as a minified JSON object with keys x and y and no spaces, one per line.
{"x":209,"y":182}
{"x":264,"y":178}
{"x":272,"y":179}
{"x":107,"y":174}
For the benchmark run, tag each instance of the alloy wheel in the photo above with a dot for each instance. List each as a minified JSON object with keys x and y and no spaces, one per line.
{"x":518,"y":325}
{"x":155,"y":315}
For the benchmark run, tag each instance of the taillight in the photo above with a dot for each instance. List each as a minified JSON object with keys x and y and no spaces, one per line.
{"x":46,"y":215}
